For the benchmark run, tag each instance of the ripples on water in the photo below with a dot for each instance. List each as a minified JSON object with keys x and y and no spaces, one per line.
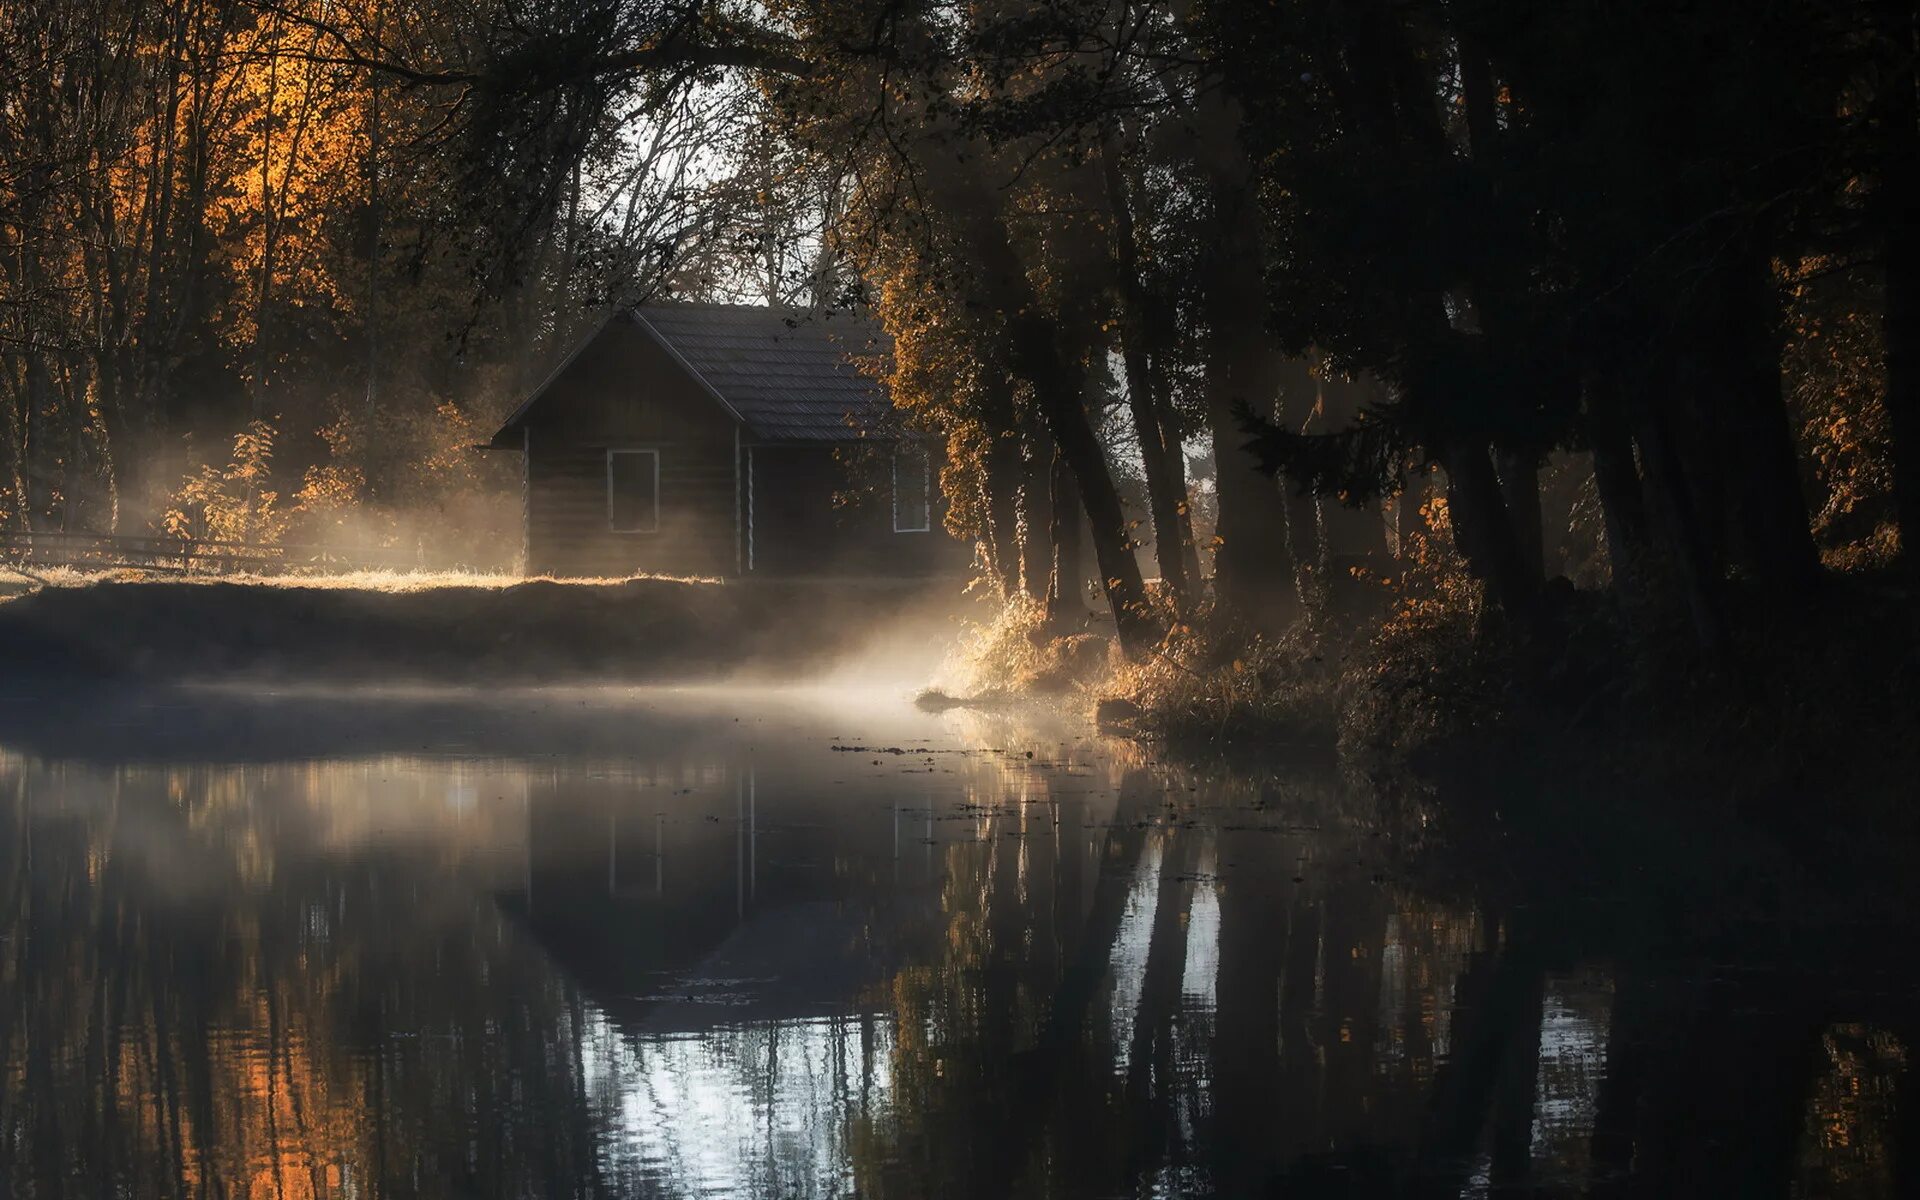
{"x":690,"y":943}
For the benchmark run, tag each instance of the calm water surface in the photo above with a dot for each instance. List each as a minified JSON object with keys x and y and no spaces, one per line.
{"x":740,"y":943}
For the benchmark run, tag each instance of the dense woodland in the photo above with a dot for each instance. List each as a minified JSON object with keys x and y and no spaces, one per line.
{"x":1468,"y":303}
{"x":1522,"y":398}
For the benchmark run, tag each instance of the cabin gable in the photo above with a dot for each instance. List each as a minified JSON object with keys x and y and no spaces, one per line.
{"x":629,"y":465}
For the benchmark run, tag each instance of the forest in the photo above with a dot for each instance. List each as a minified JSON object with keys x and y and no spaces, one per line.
{"x":1427,"y":710}
{"x":1451,"y":338}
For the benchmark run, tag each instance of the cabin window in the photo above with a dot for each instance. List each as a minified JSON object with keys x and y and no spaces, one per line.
{"x":633,"y":491}
{"x":912,"y":489}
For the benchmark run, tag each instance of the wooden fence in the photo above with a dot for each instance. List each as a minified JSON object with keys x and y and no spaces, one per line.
{"x":101,"y":551}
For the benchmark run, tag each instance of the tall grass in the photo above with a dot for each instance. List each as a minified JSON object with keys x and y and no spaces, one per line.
{"x":1208,"y":682}
{"x":369,"y":580}
{"x":1013,"y":653}
{"x":1217,"y":683}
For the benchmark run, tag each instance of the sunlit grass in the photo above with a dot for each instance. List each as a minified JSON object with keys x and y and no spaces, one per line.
{"x":371,"y":581}
{"x":1012,"y":653}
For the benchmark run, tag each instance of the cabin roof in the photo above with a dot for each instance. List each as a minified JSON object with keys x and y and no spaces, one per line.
{"x":787,"y":375}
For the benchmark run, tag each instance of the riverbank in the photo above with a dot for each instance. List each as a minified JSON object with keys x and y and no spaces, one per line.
{"x":1809,"y":698}
{"x":1815,"y":695}
{"x":471,"y":630}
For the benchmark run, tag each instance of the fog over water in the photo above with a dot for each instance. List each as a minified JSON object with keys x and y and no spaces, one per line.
{"x":814,"y":942}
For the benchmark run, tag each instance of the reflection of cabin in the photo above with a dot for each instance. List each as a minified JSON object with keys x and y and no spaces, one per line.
{"x":730,"y":440}
{"x":732,"y":899}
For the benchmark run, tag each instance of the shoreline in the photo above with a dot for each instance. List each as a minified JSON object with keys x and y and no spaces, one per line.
{"x":642,"y":630}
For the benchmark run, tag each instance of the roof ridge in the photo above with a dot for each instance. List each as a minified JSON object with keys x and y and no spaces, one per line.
{"x":760,"y":308}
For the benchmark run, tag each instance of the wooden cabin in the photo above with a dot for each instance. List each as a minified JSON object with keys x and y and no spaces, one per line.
{"x":725,"y":440}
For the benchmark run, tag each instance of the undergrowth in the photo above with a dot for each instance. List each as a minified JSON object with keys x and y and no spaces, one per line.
{"x":1013,"y":653}
{"x":1431,"y":680}
{"x":1213,"y":682}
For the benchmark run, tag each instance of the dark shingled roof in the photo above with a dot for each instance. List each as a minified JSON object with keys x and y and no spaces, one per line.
{"x":786,"y":374}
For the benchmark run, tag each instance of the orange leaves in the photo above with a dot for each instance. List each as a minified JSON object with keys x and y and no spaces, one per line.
{"x":231,"y":503}
{"x":295,"y":153}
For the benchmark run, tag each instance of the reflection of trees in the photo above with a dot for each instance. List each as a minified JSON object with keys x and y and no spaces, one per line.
{"x":1246,"y":998}
{"x":1160,"y":1001}
{"x":750,"y":1110}
{"x":988,"y":1020}
{"x":173,"y":1025}
{"x":294,"y":980}
{"x":1687,"y":1012}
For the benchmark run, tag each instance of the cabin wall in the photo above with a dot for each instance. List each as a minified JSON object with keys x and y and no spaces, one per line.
{"x":625,"y":393}
{"x":796,"y":529}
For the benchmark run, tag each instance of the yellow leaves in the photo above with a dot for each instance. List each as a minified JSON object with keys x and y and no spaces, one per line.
{"x":329,"y":487}
{"x":231,"y":504}
{"x":252,"y":453}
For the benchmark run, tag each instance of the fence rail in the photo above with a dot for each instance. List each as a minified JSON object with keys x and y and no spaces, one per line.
{"x":60,"y":549}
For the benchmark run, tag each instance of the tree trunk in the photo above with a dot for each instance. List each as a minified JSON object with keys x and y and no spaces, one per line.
{"x":1000,"y":507}
{"x":1166,"y":486}
{"x":1520,"y":489}
{"x":1170,"y":436}
{"x":999,"y":284}
{"x":1250,"y":569}
{"x":1058,"y":386}
{"x":1769,"y":505}
{"x":1065,"y":606}
{"x":1250,"y":556}
{"x":1699,"y":577}
{"x":1617,"y":481}
{"x":1309,"y":544}
{"x":1305,"y":548}
{"x":1160,"y":461}
{"x":1036,"y":514}
{"x":370,"y":320}
{"x":1622,"y":509}
{"x":1483,"y":529}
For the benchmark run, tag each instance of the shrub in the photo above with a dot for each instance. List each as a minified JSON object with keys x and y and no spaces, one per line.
{"x":1015,"y":653}
{"x":1215,"y":682}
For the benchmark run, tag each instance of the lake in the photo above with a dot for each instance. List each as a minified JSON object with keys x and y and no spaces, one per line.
{"x":755,"y":942}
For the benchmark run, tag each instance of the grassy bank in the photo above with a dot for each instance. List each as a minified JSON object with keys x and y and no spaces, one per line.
{"x":463,"y":629}
{"x":1807,"y":699}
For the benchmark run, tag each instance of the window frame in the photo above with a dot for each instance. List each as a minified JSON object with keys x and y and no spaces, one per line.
{"x":926,"y":485}
{"x":652,"y":453}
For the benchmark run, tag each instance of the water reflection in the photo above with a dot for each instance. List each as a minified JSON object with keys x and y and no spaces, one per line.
{"x":792,"y":946}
